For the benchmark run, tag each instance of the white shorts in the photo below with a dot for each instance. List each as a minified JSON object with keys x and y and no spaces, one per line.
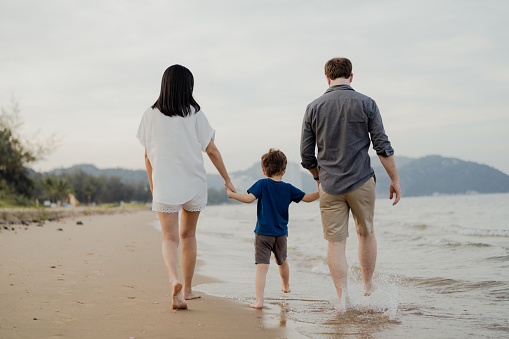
{"x":196,"y":204}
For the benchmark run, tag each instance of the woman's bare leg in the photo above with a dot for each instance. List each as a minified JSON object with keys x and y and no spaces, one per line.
{"x":170,"y":233}
{"x":188,"y":221}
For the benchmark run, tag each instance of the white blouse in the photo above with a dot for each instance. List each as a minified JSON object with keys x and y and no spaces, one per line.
{"x":174,"y":147}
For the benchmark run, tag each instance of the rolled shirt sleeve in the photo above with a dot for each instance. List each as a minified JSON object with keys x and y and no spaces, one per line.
{"x":379,"y":138}
{"x":308,"y":142}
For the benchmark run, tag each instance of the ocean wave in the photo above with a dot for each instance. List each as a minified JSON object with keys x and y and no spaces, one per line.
{"x":420,"y":226}
{"x":480,"y":232}
{"x":450,"y":243}
{"x":448,"y":286}
{"x":322,"y":269}
{"x":500,"y":258}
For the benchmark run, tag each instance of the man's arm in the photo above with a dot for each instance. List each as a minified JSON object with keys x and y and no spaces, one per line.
{"x":310,"y":197}
{"x":149,"y":171}
{"x":308,"y":145}
{"x":245,"y":198}
{"x":379,"y":138}
{"x":390,"y":167}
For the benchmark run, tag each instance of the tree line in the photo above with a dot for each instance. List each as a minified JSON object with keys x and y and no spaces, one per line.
{"x":88,"y":189}
{"x":23,"y":187}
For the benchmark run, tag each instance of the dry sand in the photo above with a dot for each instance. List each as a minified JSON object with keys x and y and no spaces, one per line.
{"x":106,"y":279}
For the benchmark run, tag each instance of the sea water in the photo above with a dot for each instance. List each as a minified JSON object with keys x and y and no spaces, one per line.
{"x":442,"y":269}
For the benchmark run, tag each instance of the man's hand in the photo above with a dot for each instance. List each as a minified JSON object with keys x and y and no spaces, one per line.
{"x":395,"y":190}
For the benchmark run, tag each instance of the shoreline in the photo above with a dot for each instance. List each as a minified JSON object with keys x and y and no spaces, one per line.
{"x":26,"y":216}
{"x":106,"y":278}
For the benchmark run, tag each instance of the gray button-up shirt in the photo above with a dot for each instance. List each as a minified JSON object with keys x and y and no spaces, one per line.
{"x":341,"y":123}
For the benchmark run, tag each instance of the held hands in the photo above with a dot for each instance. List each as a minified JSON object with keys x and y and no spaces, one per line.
{"x":395,"y":189}
{"x":229,"y":189}
{"x":229,"y":192}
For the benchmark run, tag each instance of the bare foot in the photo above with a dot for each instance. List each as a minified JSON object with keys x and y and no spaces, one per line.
{"x":286,"y":289}
{"x":343,"y":305}
{"x":257,"y":304}
{"x":368,"y":289}
{"x":340,"y":308}
{"x":191,"y":295}
{"x":178,"y":301}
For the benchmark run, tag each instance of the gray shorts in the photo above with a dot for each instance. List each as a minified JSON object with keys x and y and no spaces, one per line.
{"x":265,"y":244}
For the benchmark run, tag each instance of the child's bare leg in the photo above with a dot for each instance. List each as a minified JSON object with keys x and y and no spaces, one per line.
{"x":284,"y":271}
{"x":261,"y":274}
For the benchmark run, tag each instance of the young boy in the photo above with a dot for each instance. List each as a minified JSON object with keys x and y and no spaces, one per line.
{"x":274,"y":197}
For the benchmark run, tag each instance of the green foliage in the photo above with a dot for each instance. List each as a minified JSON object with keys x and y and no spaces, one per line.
{"x":13,"y":157}
{"x":10,"y":199}
{"x":16,"y":152}
{"x":89,"y":189}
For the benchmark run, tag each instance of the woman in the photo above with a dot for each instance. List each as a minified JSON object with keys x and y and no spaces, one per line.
{"x":175,"y":132}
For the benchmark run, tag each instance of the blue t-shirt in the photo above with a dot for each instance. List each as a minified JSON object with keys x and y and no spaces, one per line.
{"x":274,"y":198}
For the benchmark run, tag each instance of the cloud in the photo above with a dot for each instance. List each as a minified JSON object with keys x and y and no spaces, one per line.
{"x":88,"y":70}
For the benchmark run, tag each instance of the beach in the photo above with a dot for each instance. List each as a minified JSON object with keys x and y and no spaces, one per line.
{"x":106,"y":279}
{"x":442,"y":272}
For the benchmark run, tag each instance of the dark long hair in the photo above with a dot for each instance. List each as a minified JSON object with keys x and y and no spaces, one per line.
{"x":176,"y":96}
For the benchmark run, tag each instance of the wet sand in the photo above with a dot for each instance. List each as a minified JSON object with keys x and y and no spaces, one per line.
{"x":106,"y":279}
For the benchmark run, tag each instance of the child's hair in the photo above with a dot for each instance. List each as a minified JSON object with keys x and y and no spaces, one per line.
{"x":273,"y":162}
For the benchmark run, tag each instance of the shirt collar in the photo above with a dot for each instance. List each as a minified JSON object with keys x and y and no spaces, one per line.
{"x":339,"y":88}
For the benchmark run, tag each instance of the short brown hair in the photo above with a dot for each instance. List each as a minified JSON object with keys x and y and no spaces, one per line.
{"x":338,"y":68}
{"x":273,"y":162}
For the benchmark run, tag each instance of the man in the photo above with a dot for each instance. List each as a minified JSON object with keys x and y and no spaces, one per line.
{"x":341,"y":124}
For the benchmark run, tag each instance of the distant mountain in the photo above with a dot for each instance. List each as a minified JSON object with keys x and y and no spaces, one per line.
{"x":434,"y":175}
{"x":127,"y":176}
{"x":431,"y":175}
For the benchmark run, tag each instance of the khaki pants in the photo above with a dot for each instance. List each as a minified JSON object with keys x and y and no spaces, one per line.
{"x":335,"y":211}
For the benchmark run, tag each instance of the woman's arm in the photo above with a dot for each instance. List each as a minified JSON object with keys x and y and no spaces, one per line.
{"x":217,"y":161}
{"x":149,"y":171}
{"x":246,"y":198}
{"x":310,"y":197}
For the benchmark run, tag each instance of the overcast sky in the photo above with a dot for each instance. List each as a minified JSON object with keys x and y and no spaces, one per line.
{"x":87,"y":70}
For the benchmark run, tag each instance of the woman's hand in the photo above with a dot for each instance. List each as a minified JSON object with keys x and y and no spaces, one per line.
{"x":229,"y":186}
{"x":229,"y":192}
